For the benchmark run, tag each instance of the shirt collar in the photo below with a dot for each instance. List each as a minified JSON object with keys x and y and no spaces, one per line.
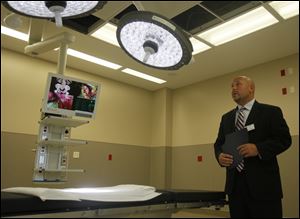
{"x":248,"y":105}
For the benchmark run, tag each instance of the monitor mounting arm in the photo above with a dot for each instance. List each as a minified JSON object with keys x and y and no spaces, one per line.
{"x":60,"y":41}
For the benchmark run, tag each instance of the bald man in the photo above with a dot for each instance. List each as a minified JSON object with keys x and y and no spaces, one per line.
{"x":255,"y":189}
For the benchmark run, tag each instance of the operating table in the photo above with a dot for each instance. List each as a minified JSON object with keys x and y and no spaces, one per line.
{"x":168,"y":202}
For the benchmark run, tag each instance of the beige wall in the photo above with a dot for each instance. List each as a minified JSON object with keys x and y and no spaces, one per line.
{"x":162,"y":118}
{"x":123,"y":115}
{"x":155,"y":137}
{"x":197,"y":109}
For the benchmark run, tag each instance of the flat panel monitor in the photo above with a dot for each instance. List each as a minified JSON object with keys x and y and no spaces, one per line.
{"x":67,"y":96}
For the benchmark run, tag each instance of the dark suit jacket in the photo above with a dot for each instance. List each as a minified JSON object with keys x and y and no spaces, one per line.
{"x":271,"y":136}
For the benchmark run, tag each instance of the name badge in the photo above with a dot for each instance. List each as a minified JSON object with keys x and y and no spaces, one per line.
{"x":250,"y":127}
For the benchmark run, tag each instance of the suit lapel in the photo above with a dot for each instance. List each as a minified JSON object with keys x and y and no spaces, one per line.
{"x":232,"y":119}
{"x":253,"y":112}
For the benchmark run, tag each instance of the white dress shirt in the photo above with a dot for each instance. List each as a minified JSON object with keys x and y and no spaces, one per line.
{"x":248,"y":106}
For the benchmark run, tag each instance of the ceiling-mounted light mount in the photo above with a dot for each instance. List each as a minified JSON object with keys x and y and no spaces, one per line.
{"x":54,"y":9}
{"x":150,"y":48}
{"x":154,"y":40}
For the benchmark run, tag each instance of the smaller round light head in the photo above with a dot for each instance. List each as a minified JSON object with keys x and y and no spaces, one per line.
{"x":54,"y":9}
{"x":153,"y":40}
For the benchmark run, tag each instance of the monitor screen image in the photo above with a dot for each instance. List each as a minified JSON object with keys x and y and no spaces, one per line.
{"x":68,"y":96}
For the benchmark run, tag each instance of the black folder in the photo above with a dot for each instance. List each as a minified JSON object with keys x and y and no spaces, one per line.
{"x":232,"y":141}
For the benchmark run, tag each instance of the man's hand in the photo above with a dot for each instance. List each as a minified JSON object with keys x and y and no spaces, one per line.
{"x":248,"y":150}
{"x":225,"y":159}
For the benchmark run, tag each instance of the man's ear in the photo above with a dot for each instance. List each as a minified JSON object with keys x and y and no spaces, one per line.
{"x":252,"y":87}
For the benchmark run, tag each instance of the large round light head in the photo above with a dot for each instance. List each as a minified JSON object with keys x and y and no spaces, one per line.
{"x":54,"y":9}
{"x":153,"y":40}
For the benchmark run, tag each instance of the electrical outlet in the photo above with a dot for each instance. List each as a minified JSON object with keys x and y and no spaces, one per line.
{"x":76,"y":154}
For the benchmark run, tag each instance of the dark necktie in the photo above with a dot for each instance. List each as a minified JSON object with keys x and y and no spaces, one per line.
{"x":240,"y":125}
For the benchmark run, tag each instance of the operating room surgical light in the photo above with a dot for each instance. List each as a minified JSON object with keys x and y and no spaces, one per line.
{"x":54,"y":9}
{"x":153,"y":40}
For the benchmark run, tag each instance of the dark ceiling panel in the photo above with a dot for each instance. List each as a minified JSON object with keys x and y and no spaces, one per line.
{"x":82,"y":24}
{"x":228,"y":9}
{"x":130,"y":8}
{"x":195,"y":18}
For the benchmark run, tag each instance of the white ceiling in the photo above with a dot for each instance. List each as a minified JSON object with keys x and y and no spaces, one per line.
{"x":274,"y":42}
